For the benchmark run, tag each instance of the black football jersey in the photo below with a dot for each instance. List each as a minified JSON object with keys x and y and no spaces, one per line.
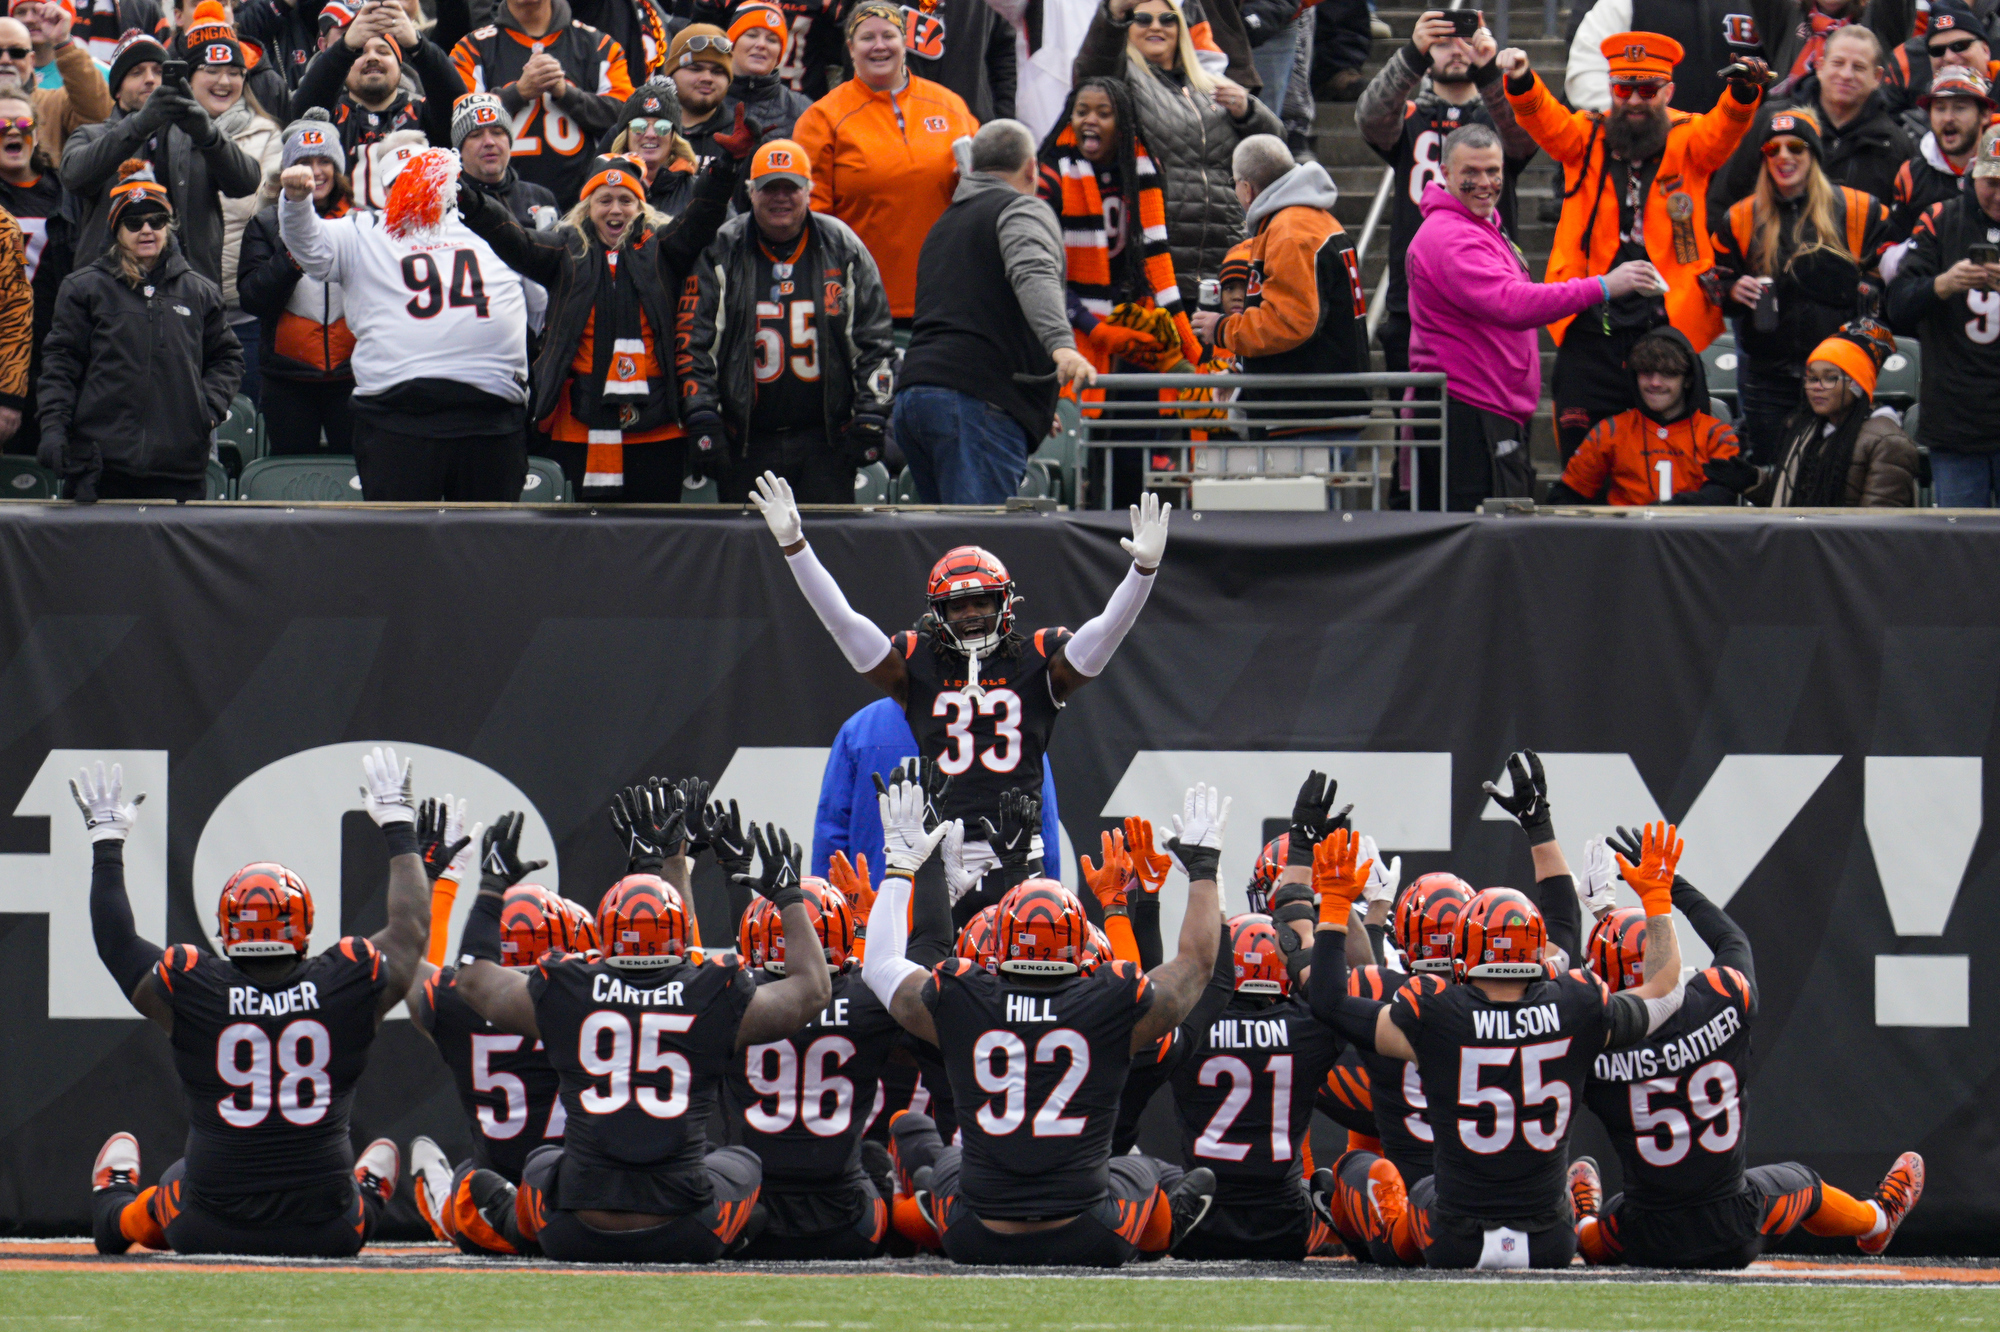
{"x":788,"y":392}
{"x":268,"y":1071}
{"x":1427,"y":121}
{"x":641,"y":1056}
{"x":813,"y":44}
{"x":1036,"y":1072}
{"x":803,"y":1103}
{"x":1244,"y":1087}
{"x":504,"y":1080}
{"x":1344,"y":1095}
{"x":1503,"y":1081}
{"x":987,"y":741}
{"x":1674,"y":1105}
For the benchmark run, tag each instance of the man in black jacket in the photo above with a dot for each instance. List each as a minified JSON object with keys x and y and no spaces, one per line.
{"x":160,"y":123}
{"x":288,"y":30}
{"x":483,"y":134}
{"x":803,"y":372}
{"x":359,"y":80}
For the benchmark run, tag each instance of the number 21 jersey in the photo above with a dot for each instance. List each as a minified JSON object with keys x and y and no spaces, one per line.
{"x":989,"y":740}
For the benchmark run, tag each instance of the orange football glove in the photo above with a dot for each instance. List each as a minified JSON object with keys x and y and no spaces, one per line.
{"x":851,"y":882}
{"x":1148,"y":866}
{"x":1108,"y":884}
{"x":1653,"y":877}
{"x":1337,"y":879}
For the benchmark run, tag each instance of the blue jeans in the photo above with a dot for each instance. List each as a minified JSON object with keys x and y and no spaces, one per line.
{"x":961,"y":450}
{"x":1965,"y":480}
{"x":1273,"y":61}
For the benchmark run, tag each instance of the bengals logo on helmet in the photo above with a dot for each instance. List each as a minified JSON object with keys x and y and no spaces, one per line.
{"x":1740,"y":30}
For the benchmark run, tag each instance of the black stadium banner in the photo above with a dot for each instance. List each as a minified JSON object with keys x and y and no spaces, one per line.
{"x":1813,"y":701}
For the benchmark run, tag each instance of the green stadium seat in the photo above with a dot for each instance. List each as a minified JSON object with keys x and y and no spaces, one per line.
{"x":1719,"y":362}
{"x":1034,"y":481}
{"x":871,"y":484}
{"x":1901,"y":373}
{"x":21,"y":477}
{"x":906,"y":488}
{"x":545,"y":483}
{"x":1721,"y":410}
{"x":302,"y":478}
{"x":1063,"y":451}
{"x":705,"y":493}
{"x":242,"y":429}
{"x":218,"y":482}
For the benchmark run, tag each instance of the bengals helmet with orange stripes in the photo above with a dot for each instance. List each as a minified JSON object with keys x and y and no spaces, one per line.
{"x":582,"y":925}
{"x":971,"y":571}
{"x":1617,"y":948}
{"x":1096,"y":950}
{"x":265,"y":911}
{"x":642,"y":922}
{"x":979,"y":940}
{"x":761,"y":937}
{"x":1042,"y":930}
{"x":1264,"y":877}
{"x":534,"y":923}
{"x":1254,"y":953}
{"x":1427,"y":920}
{"x":1500,"y":937}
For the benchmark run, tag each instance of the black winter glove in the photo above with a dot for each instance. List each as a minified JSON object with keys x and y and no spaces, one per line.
{"x":1529,"y":800}
{"x":162,"y":108}
{"x":707,"y":445}
{"x":865,"y":436}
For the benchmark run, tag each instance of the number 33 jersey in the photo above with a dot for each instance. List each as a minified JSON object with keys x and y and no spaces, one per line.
{"x":989,"y":740}
{"x":269,"y":1070}
{"x":1674,"y":1104}
{"x":1503,"y":1081}
{"x":504,"y":1079}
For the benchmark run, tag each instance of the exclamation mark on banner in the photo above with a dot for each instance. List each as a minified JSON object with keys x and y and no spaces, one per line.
{"x":1923,"y":817}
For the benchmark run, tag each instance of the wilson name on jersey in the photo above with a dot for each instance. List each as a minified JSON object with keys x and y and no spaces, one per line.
{"x":988,"y":740}
{"x":1036,"y":1076}
{"x":1674,"y":1105}
{"x":504,"y":1080}
{"x":1503,"y":1081}
{"x":803,"y":1103}
{"x":269,"y":1070}
{"x":641,"y":1056}
{"x":1244,"y":1086}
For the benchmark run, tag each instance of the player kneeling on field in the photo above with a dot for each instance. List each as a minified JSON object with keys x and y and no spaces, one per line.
{"x":641,"y":1041}
{"x":1037,"y":1051}
{"x":268,"y":1046}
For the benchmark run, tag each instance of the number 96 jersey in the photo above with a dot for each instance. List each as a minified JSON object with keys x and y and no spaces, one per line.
{"x":986,"y":740}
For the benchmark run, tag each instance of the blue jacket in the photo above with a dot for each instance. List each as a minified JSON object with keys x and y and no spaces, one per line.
{"x":874,"y":740}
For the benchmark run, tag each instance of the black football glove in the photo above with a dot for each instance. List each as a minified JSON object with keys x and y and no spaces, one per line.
{"x":707,"y":446}
{"x":780,"y":879}
{"x":926,"y":773}
{"x":432,"y":819}
{"x":1528,"y":802}
{"x":1309,"y":818}
{"x":501,"y":866}
{"x":694,"y":799}
{"x":722,"y":832}
{"x":864,"y":438}
{"x":1013,"y":838}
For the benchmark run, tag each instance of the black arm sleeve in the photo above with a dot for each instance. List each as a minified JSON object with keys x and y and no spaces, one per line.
{"x":1376,"y":934}
{"x":1562,"y":914}
{"x":125,"y":955}
{"x":1352,"y":1019}
{"x":1148,"y":1073}
{"x":1627,"y":1021}
{"x":1143,"y":910}
{"x":931,"y":934}
{"x":1214,"y":996}
{"x":482,"y":926}
{"x":1724,"y":937}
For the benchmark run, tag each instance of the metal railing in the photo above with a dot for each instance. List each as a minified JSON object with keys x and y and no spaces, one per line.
{"x":1347,"y":444}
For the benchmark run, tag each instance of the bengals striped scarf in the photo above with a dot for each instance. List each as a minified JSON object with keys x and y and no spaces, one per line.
{"x":1087,"y":249}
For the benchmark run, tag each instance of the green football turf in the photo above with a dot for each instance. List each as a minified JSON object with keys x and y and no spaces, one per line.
{"x":499,"y":1301}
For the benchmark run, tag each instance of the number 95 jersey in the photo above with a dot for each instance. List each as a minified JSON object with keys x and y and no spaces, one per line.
{"x":989,"y":740}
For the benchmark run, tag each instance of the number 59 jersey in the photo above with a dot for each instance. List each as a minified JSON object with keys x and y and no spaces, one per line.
{"x":1503,"y":1081}
{"x":987,"y":740}
{"x":1037,"y":1073}
{"x":269,"y":1070}
{"x":1674,"y":1104}
{"x":504,"y":1079}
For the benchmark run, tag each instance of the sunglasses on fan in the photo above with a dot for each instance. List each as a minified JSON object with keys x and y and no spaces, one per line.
{"x":1164,"y":20}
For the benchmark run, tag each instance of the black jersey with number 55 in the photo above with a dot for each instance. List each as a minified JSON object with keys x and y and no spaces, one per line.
{"x":504,"y":1079}
{"x":988,"y":740}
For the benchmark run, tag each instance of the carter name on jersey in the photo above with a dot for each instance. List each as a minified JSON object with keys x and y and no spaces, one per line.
{"x":606,"y":989}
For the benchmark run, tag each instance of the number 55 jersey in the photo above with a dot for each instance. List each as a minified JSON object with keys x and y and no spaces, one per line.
{"x":988,"y":739}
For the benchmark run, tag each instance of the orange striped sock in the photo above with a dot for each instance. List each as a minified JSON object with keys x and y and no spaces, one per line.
{"x":1841,"y":1213}
{"x":137,"y":1223}
{"x":1361,"y":1142}
{"x":1159,"y":1231}
{"x":1404,"y":1239}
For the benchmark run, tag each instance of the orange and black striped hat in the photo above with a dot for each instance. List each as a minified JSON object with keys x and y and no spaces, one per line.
{"x":137,"y":187}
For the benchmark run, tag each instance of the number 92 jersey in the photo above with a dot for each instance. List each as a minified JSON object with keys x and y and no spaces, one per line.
{"x":989,"y":740}
{"x":1503,"y":1081}
{"x":269,"y":1070}
{"x":1674,"y":1104}
{"x":504,"y":1080}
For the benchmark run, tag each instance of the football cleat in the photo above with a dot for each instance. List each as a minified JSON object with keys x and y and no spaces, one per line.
{"x":920,"y":1189}
{"x":1387,"y":1199}
{"x":432,"y":1179}
{"x":1190,"y":1200}
{"x":1586,"y":1187}
{"x":1896,"y":1195}
{"x":1319,"y":1192}
{"x":378,"y":1167}
{"x":117,"y":1164}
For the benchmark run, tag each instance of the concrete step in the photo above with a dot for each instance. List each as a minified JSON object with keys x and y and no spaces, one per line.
{"x":1519,"y":22}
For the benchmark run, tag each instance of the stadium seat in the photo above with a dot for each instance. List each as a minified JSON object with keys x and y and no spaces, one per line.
{"x":218,"y":481}
{"x":545,"y":483}
{"x":1061,"y":452}
{"x":871,"y":484}
{"x":1034,"y":481}
{"x":300,"y":478}
{"x":242,"y":429}
{"x":705,"y":493}
{"x":1719,"y":361}
{"x":22,"y":477}
{"x":1901,"y":373}
{"x":906,"y":488}
{"x":1721,"y":410}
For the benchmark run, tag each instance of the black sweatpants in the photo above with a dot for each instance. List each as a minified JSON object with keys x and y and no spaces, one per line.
{"x":192,"y":1228}
{"x":698,"y":1237}
{"x":1721,"y":1235}
{"x":1452,"y":1241}
{"x":422,"y":468}
{"x":296,"y":410}
{"x":1590,"y":381}
{"x":817,"y":469}
{"x":795,"y":1232}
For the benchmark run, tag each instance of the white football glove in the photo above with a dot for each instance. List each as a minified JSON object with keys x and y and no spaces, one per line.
{"x":773,"y":499}
{"x":960,"y":878}
{"x":1383,"y":880}
{"x":464,"y":866}
{"x":1599,"y":888}
{"x":387,"y":796}
{"x":905,"y":844}
{"x":106,"y":813}
{"x":1149,"y":532}
{"x":1204,"y":812}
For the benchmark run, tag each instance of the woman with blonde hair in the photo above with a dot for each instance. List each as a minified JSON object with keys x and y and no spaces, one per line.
{"x":1795,"y":260}
{"x":1190,"y":118}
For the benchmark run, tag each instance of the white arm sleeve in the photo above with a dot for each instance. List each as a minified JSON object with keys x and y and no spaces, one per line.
{"x":305,"y":235}
{"x":860,"y":640}
{"x":884,"y":968}
{"x":1587,"y":80}
{"x":1657,"y":1010}
{"x":1091,"y":646}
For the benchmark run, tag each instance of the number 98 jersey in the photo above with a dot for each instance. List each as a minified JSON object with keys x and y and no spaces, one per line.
{"x":986,"y":741}
{"x":269,"y":1070}
{"x":1674,"y":1104}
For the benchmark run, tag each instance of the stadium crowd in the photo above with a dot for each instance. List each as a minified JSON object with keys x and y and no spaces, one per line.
{"x":820,"y":238}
